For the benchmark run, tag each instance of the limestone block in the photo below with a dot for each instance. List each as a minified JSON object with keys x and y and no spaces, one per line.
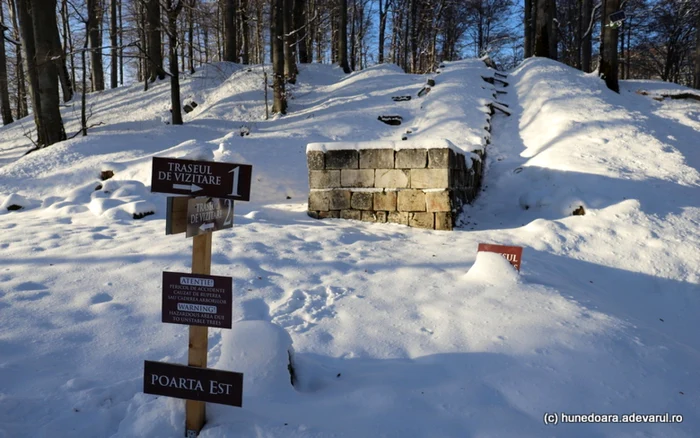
{"x":439,"y":158}
{"x":328,"y":214}
{"x":411,"y":158}
{"x":319,"y":201}
{"x":374,"y":216}
{"x":411,"y":200}
{"x":361,"y":201}
{"x":357,"y":177}
{"x":342,"y":159}
{"x":314,"y":160}
{"x":397,"y":217}
{"x":376,"y":158}
{"x":438,"y":201}
{"x":324,"y":179}
{"x":385,"y":201}
{"x":351,"y":214}
{"x":421,"y":220}
{"x":443,"y":221}
{"x":430,"y":178}
{"x":339,"y":200}
{"x":391,"y":178}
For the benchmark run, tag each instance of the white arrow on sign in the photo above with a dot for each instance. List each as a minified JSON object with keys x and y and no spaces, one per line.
{"x":205,"y":227}
{"x":191,"y":187}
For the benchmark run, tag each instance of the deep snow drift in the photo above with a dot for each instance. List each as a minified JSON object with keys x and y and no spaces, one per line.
{"x":396,"y":332}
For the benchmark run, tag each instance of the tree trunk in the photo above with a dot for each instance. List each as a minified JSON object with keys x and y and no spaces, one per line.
{"x":26,"y":25}
{"x":22,"y":110}
{"x":114,"y":70}
{"x":553,"y":30}
{"x":155,"y":55}
{"x":527,"y":24}
{"x":229,"y":12}
{"x":5,"y":108}
{"x":279,"y":104}
{"x":98,"y":80}
{"x":383,"y":10}
{"x":543,"y":26}
{"x":302,"y":29}
{"x":586,"y":39}
{"x":697,"y":51}
{"x":190,"y":35}
{"x":353,"y":36}
{"x":172,"y":12}
{"x":608,"y":65}
{"x":44,"y":21}
{"x":68,"y":40}
{"x":59,"y":58}
{"x":245,"y":33}
{"x":121,"y":44}
{"x":290,"y":67}
{"x":343,"y":36}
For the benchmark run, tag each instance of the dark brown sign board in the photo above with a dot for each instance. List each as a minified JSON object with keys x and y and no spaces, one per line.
{"x":205,"y":215}
{"x":513,"y":254}
{"x":201,"y":178}
{"x":197,"y":299}
{"x":193,"y":383}
{"x":176,"y":215}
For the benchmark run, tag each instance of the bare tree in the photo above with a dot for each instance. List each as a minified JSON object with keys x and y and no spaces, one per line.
{"x":37,"y":40}
{"x":5,"y":107}
{"x":279,"y":104}
{"x":172,"y":10}
{"x":94,"y":18}
{"x":153,"y":32}
{"x":697,"y":49}
{"x":343,"y":36}
{"x":229,"y":15}
{"x":608,"y":64}
{"x":114,"y":68}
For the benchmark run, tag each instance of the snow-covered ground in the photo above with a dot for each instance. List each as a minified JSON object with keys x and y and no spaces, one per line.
{"x":397,"y":332}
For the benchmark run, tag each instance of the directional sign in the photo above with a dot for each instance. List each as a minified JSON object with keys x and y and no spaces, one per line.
{"x":513,"y":254}
{"x":208,"y":214}
{"x":617,"y":16}
{"x":193,"y":383}
{"x":201,"y":178}
{"x":197,"y":299}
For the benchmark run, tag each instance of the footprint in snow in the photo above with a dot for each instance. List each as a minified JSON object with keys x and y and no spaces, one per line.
{"x":304,"y":309}
{"x":102,"y":297}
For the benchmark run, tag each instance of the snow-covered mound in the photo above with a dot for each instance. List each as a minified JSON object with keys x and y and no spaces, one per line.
{"x":395,"y":331}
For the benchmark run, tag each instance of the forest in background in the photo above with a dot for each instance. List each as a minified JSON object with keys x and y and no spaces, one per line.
{"x":55,"y":50}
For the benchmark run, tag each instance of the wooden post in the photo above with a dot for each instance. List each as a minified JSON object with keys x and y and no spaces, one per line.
{"x":195,"y":411}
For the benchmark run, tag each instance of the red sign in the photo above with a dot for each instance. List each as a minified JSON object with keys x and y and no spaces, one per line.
{"x":513,"y":254}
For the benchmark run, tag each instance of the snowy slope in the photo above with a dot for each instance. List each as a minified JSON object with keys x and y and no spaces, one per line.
{"x":397,"y":332}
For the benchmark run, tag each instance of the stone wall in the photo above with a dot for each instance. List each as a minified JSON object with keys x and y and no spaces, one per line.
{"x":418,"y":187}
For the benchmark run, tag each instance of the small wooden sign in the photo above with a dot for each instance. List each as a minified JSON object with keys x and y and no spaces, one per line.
{"x":201,"y":178}
{"x":176,"y":215}
{"x":205,"y":215}
{"x":513,"y":254}
{"x":193,"y":383}
{"x":197,"y":299}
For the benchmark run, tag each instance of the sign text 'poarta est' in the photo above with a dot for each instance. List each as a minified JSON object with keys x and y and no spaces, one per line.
{"x":193,"y":383}
{"x":197,"y":299}
{"x":201,"y":178}
{"x":513,"y":254}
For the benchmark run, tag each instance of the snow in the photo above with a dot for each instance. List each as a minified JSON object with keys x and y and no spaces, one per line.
{"x":395,"y":331}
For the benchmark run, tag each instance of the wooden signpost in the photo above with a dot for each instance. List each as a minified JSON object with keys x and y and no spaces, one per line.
{"x":197,"y":299}
{"x":513,"y":254}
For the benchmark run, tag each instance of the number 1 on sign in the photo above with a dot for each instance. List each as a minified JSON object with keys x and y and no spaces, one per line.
{"x":234,"y":188}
